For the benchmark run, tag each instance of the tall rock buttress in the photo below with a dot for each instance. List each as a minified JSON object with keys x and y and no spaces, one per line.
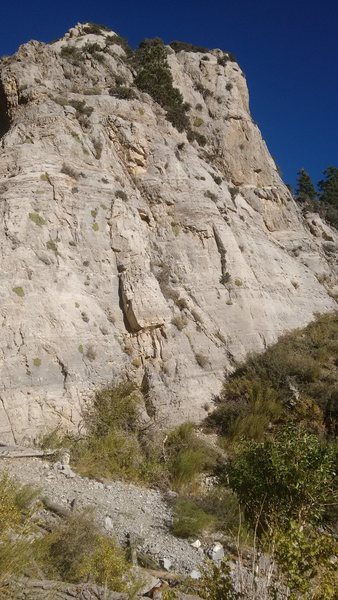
{"x":126,"y":250}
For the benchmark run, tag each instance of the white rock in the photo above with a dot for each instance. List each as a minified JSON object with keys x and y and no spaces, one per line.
{"x":126,"y":251}
{"x":197,"y":544}
{"x":108,"y":523}
{"x":216,"y":552}
{"x":98,"y":485}
{"x":68,"y":472}
{"x":195,"y":574}
{"x":165,"y":564}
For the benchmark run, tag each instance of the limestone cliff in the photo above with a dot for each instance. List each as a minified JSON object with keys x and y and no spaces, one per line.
{"x":128,"y":251}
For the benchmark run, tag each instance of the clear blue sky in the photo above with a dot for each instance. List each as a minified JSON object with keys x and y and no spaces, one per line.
{"x":288,"y":51}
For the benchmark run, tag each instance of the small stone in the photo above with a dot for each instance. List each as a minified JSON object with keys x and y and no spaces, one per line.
{"x":197,"y":544}
{"x":216,"y":552}
{"x":195,"y":574}
{"x":171,"y":495}
{"x":108,"y":523}
{"x":165,"y":564}
{"x":98,"y":485}
{"x":65,"y":457}
{"x":67,"y":471}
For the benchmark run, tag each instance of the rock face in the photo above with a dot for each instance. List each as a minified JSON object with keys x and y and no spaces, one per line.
{"x":127,"y":251}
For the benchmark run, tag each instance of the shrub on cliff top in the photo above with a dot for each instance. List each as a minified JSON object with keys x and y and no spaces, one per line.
{"x":155,"y":78}
{"x":187,"y":47}
{"x":95,"y":28}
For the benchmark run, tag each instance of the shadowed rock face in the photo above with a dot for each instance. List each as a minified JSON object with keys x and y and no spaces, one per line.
{"x":127,"y":251}
{"x":4,"y":117}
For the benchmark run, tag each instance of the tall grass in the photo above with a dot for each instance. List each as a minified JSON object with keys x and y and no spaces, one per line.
{"x":296,"y":381}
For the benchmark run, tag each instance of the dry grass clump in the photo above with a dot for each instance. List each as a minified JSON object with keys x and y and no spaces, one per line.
{"x":293,"y":381}
{"x":76,"y":551}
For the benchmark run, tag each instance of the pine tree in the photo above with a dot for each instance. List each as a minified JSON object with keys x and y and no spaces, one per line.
{"x":305,"y":189}
{"x":329,"y":187}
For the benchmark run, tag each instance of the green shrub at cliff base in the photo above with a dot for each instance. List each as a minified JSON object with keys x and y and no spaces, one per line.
{"x":187,"y":456}
{"x":117,"y":445}
{"x":290,"y":477}
{"x":190,"y":519}
{"x":16,"y":507}
{"x":114,"y":408}
{"x":284,"y":486}
{"x":216,"y":583}
{"x":306,"y":561}
{"x":217,"y":510}
{"x":111,"y":447}
{"x":296,"y":381}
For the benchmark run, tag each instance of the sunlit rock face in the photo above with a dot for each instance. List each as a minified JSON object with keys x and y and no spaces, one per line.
{"x":128,"y":252}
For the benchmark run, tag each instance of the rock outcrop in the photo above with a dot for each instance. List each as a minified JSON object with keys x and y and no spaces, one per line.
{"x":128,"y":251}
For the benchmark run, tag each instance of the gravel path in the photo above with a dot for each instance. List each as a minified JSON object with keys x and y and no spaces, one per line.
{"x":122,"y":508}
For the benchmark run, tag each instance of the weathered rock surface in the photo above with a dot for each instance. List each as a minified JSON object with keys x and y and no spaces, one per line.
{"x":126,"y":250}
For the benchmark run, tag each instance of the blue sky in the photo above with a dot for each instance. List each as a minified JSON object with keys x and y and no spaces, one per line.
{"x":288,"y":51}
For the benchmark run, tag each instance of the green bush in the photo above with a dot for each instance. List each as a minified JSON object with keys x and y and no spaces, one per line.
{"x":290,"y":477}
{"x":116,"y":445}
{"x":119,"y":41}
{"x":227,"y":57}
{"x":189,"y":519}
{"x":112,"y":409}
{"x":155,"y":78}
{"x":95,"y":28}
{"x":123,"y":92}
{"x":305,"y":559}
{"x":326,"y":211}
{"x":198,"y":122}
{"x":187,"y":456}
{"x":81,"y":108}
{"x":72,"y":54}
{"x":225,"y":277}
{"x":205,"y":92}
{"x":91,"y":48}
{"x":19,"y":291}
{"x":115,"y":455}
{"x":75,"y":551}
{"x":121,"y":194}
{"x":211,"y":195}
{"x":17,"y":505}
{"x":68,"y":170}
{"x":222,"y":504}
{"x":37,"y":219}
{"x":199,"y":137}
{"x":217,"y":180}
{"x":186,"y":47}
{"x":216,"y":583}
